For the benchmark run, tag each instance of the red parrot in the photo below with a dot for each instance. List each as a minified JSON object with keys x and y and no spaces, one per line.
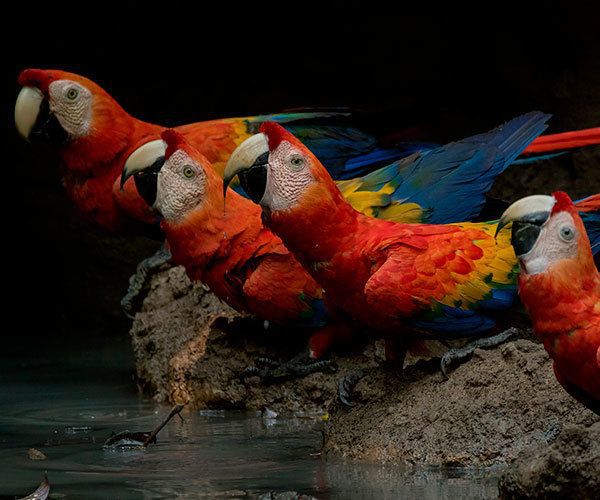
{"x":396,"y":278}
{"x":560,"y":287}
{"x":240,"y":260}
{"x":93,"y":134}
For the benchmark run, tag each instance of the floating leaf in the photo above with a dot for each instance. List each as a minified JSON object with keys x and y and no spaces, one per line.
{"x":42,"y":491}
{"x":34,"y":454}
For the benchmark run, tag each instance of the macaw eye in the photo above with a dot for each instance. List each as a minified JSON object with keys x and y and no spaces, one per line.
{"x":72,"y":94}
{"x":188,"y":172}
{"x":296,"y":162}
{"x":566,"y":233}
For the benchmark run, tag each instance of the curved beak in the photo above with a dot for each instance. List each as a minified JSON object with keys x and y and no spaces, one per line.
{"x":145,"y":164}
{"x":527,"y":215}
{"x":249,"y":162}
{"x":34,"y":119}
{"x":27,"y":109}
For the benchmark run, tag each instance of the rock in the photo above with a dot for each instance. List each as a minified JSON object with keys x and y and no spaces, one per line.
{"x":285,"y":495}
{"x":169,"y":334}
{"x":190,"y":348}
{"x":34,"y":454}
{"x":567,"y":468}
{"x":503,"y":401}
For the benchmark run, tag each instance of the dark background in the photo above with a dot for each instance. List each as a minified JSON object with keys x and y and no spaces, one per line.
{"x":443,"y":78}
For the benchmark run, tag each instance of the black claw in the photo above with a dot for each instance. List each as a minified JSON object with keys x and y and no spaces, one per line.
{"x":266,"y":362}
{"x":250,"y":371}
{"x":269,"y":371}
{"x":461,"y":354}
{"x":346,"y":387}
{"x":138,"y":281}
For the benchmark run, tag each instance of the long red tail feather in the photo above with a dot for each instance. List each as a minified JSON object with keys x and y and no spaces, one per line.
{"x":566,"y":140}
{"x":589,"y":204}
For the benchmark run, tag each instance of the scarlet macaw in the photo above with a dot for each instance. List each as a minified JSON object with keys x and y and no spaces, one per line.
{"x":93,"y":135}
{"x":240,"y":260}
{"x":390,"y":190}
{"x":559,"y":285}
{"x":396,"y":278}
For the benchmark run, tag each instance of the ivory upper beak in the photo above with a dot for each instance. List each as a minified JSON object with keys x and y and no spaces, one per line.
{"x":244,"y":157}
{"x":537,"y":203}
{"x":27,"y":109}
{"x":142,"y":158}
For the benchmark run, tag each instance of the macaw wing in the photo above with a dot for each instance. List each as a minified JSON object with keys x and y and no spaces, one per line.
{"x":452,"y":285}
{"x":299,"y":303}
{"x":589,"y":210}
{"x":591,"y":221}
{"x":445,"y":184}
{"x":344,"y":150}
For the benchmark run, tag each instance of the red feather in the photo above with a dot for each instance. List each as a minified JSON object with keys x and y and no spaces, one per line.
{"x":174,"y":141}
{"x":275,"y":134}
{"x":564,"y":304}
{"x":563,"y":203}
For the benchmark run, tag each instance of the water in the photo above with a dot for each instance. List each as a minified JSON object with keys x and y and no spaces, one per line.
{"x":66,"y":399}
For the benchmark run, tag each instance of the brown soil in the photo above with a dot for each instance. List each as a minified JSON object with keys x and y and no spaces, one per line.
{"x":500,"y":403}
{"x":568,"y":468}
{"x":191,"y":348}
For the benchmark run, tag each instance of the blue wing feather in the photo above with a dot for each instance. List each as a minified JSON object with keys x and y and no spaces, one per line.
{"x":591,"y":221}
{"x":451,"y":181}
{"x":348,"y":152}
{"x":456,"y":322}
{"x":345,"y":151}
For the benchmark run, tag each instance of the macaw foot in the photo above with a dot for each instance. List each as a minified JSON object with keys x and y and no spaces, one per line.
{"x":144,"y":270}
{"x":462,"y":354}
{"x":346,"y":387}
{"x":270,"y":371}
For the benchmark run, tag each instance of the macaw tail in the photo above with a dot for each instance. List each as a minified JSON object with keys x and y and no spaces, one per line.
{"x":553,"y":143}
{"x":446,"y":184}
{"x":549,"y":146}
{"x":589,"y":209}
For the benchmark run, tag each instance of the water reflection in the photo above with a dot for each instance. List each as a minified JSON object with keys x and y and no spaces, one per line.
{"x":67,"y":405}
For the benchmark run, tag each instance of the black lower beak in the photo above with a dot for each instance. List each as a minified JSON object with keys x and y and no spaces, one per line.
{"x":47,"y":128}
{"x":146,"y":181}
{"x":253,"y":179}
{"x":526,"y":231}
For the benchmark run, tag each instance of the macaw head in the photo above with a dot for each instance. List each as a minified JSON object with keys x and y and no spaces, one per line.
{"x":60,"y":107}
{"x":547,"y":231}
{"x":172,"y":177}
{"x":277,"y":171}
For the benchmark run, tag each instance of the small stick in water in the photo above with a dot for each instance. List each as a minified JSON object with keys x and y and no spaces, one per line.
{"x":175,"y":411}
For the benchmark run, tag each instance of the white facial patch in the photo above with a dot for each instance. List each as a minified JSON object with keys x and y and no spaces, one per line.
{"x":71,"y":103}
{"x":288,"y":177}
{"x":557,"y":241}
{"x":181,"y":186}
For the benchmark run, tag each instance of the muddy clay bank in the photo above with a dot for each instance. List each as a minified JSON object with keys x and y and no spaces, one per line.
{"x":190,"y":348}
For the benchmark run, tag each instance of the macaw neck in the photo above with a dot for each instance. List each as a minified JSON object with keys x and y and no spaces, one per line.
{"x":318,"y":226}
{"x":101,"y":152}
{"x":561,"y":299}
{"x":214,"y":233}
